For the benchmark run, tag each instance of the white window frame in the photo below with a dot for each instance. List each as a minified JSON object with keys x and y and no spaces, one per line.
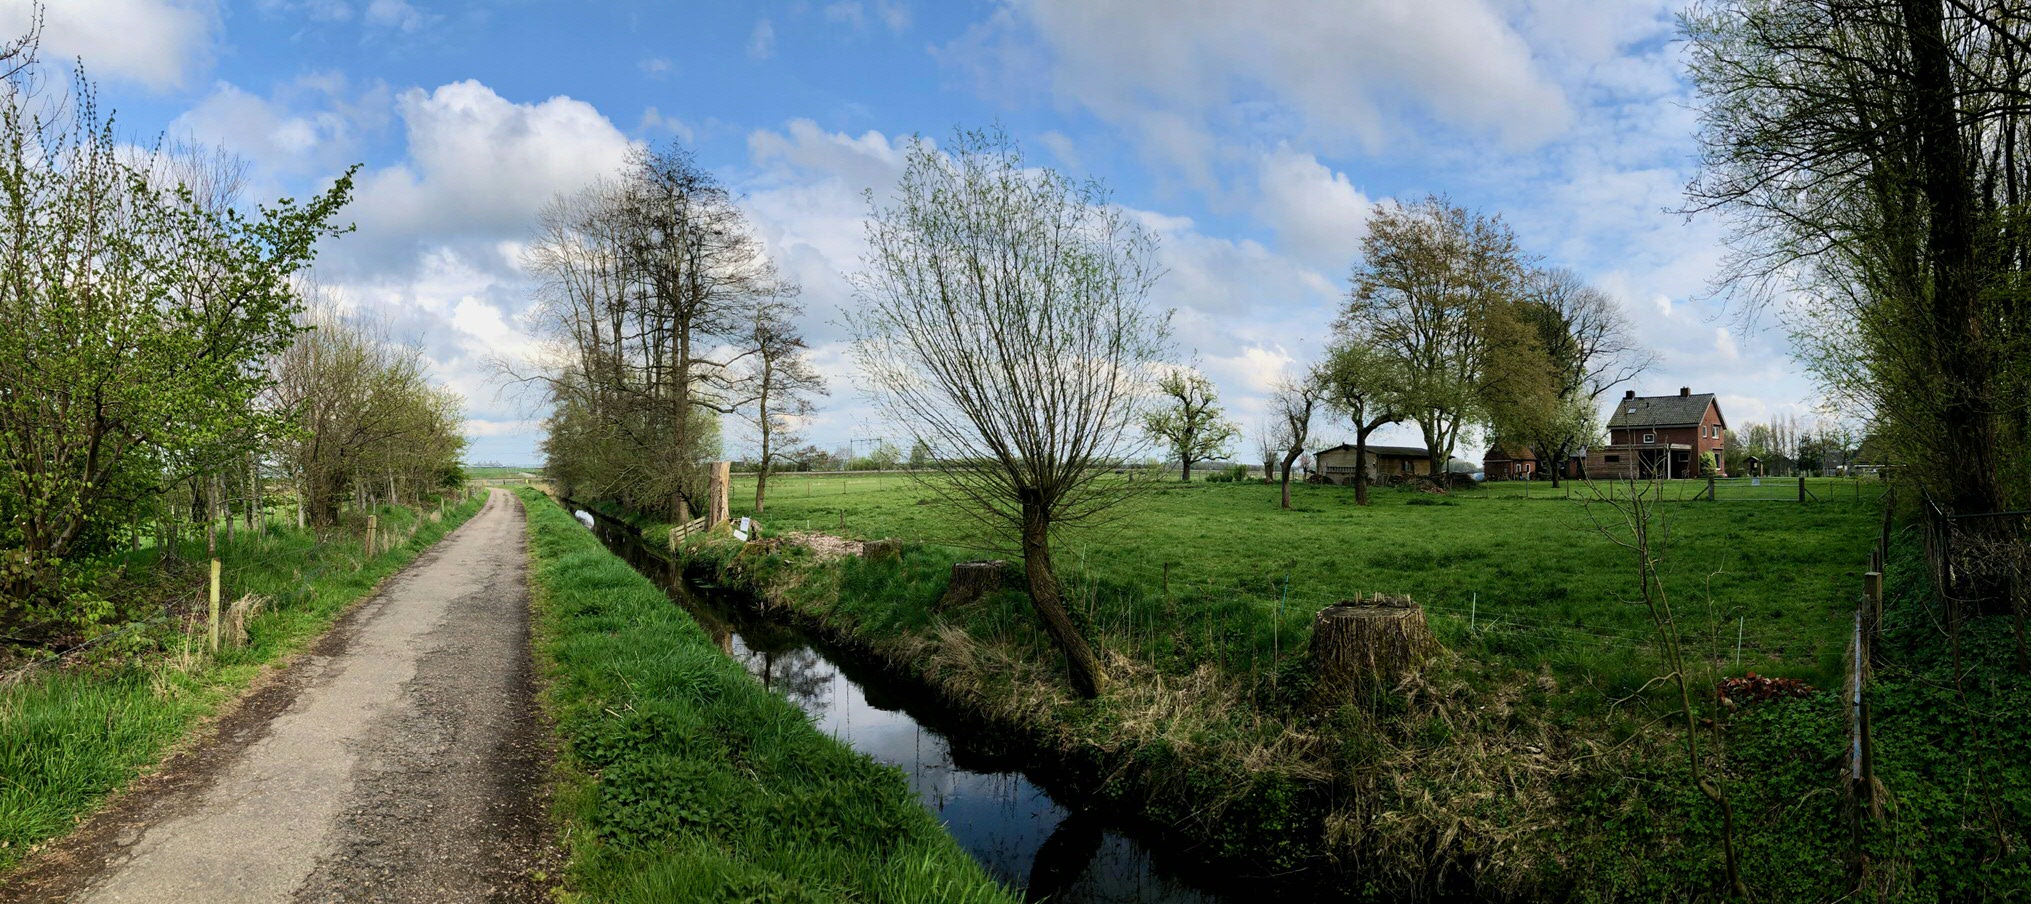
{"x":1649,"y":438}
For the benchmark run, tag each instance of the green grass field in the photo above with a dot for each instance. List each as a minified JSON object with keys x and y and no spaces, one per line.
{"x":72,"y":733}
{"x":1516,"y":572}
{"x":686,"y":780}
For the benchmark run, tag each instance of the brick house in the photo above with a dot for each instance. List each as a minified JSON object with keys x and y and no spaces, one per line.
{"x":1507,"y":462}
{"x":1661,"y":436}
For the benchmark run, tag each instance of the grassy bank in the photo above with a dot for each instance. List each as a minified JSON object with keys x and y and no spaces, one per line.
{"x":73,"y":731}
{"x":685,"y":780}
{"x":1514,"y":766}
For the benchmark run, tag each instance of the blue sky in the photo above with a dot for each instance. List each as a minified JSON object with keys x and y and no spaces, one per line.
{"x":1252,"y":138}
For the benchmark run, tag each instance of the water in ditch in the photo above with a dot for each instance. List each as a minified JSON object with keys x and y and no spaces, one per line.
{"x":1021,"y":833}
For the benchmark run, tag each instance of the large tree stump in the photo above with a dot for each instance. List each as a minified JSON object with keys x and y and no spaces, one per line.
{"x":970,"y":582}
{"x":882,"y":550}
{"x":1362,"y":648}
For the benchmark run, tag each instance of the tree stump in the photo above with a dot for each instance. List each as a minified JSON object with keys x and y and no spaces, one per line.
{"x":970,"y":582}
{"x":882,"y":550}
{"x":1362,"y":648}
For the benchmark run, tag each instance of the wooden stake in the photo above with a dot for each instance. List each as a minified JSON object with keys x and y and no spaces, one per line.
{"x":215,"y":605}
{"x":371,"y":520}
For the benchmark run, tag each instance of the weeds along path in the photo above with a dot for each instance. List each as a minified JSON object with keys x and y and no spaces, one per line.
{"x":398,"y":760}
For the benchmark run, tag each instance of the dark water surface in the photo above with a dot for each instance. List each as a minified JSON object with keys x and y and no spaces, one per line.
{"x":1025,"y":837}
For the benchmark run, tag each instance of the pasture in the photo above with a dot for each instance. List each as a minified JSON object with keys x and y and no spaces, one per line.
{"x":1511,"y":573}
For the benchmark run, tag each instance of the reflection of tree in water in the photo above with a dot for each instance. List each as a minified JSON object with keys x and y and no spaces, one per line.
{"x":796,"y":673}
{"x":1064,"y":856}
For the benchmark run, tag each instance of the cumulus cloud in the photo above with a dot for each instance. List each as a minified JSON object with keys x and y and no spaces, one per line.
{"x":1330,"y":73}
{"x":1317,"y":213}
{"x":762,"y":41}
{"x":156,"y":43}
{"x":480,"y":165}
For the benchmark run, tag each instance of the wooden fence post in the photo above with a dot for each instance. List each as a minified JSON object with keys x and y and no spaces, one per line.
{"x":212,"y":546}
{"x":371,"y":523}
{"x":1801,"y":489}
{"x":1872,"y":592}
{"x":1710,"y":489}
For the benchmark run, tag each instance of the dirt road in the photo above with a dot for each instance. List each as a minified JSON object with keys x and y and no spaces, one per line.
{"x":400,"y":760}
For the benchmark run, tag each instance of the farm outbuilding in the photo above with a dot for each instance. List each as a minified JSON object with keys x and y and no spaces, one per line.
{"x":1337,"y":465}
{"x":1505,"y":462}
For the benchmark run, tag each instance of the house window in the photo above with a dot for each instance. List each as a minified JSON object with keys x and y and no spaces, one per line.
{"x":1611,"y":458}
{"x":1650,"y":437}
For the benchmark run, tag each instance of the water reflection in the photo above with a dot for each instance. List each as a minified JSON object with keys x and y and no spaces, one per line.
{"x":1017,"y":830}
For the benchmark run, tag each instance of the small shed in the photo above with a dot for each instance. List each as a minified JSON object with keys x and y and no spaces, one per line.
{"x":1337,"y":464}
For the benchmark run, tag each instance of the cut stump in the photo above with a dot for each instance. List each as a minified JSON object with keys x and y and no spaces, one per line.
{"x":882,"y":550}
{"x":971,"y":581}
{"x":1362,"y":648}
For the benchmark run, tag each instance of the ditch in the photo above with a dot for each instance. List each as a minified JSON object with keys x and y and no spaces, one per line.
{"x":1026,"y":831}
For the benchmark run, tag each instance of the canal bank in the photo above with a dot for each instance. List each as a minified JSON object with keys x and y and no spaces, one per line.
{"x":1029,"y":828}
{"x":681,"y":779}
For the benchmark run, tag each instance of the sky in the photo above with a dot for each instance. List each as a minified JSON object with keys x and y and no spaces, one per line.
{"x":1253,"y":139}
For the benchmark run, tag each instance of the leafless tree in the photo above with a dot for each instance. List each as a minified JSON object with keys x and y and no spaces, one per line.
{"x":1590,"y":350}
{"x":1003,"y":323}
{"x":782,"y":381}
{"x":1291,"y":409}
{"x":649,"y":284}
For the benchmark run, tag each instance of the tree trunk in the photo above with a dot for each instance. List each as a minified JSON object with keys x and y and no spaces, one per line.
{"x":1362,"y":649}
{"x":1288,"y":459}
{"x":1967,"y":422}
{"x":1088,"y":679}
{"x":970,"y":581}
{"x":1361,"y":464}
{"x":761,"y":487}
{"x":1184,"y":469}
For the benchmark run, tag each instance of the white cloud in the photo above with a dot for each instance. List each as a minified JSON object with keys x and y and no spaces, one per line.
{"x":762,"y":41}
{"x":1724,"y":344}
{"x":310,"y":126}
{"x":1317,"y":213}
{"x":397,"y":14}
{"x":1334,"y":74}
{"x":479,"y":165}
{"x":157,"y":43}
{"x":655,"y":67}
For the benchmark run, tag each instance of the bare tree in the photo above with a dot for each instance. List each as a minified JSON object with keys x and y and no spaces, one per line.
{"x":1588,"y":348}
{"x":782,"y":381}
{"x":1292,"y":408}
{"x":648,"y":286}
{"x":1190,"y":422}
{"x":1003,"y":322}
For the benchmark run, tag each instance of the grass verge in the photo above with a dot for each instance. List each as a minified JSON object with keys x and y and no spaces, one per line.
{"x":73,"y":733}
{"x":682,"y":779}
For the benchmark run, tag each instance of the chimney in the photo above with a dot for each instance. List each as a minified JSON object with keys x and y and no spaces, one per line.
{"x":1629,"y":393}
{"x":1684,"y":391}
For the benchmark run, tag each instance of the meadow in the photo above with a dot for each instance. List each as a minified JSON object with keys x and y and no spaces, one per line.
{"x":1514,"y":572}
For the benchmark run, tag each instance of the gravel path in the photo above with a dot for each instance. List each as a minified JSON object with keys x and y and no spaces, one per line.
{"x":400,"y":760}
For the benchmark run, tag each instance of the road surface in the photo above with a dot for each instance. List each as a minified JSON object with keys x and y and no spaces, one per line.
{"x":398,"y":760}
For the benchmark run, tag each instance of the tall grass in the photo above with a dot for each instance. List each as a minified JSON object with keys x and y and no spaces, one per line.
{"x":72,"y":733}
{"x":685,"y":780}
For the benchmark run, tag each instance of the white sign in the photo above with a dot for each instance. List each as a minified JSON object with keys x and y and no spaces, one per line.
{"x":1755,"y":481}
{"x":741,"y":533}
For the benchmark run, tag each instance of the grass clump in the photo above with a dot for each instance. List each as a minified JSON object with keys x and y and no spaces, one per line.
{"x":685,"y":780}
{"x":74,"y":731}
